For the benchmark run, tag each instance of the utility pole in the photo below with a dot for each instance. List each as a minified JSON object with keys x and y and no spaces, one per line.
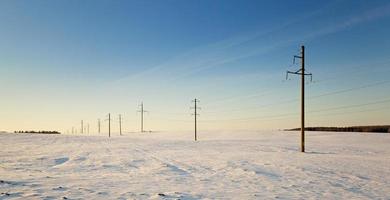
{"x":109,"y":125}
{"x":303,"y":73}
{"x":142,"y":111}
{"x":120,"y":124}
{"x":82,"y":127}
{"x":195,"y":117}
{"x":99,"y":126}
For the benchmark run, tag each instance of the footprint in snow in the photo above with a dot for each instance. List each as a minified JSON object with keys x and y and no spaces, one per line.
{"x":175,"y":195}
{"x":60,"y":161}
{"x":7,"y":194}
{"x":60,"y":188}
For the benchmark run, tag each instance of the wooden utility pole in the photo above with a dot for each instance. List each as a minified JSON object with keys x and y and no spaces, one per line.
{"x":82,"y":127}
{"x":109,"y":125}
{"x":98,"y":125}
{"x":195,"y":118}
{"x":303,"y":99}
{"x":142,"y":111}
{"x":303,"y":73}
{"x":120,"y":124}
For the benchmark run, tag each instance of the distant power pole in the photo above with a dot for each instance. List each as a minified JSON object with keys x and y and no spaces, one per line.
{"x":303,"y":73}
{"x":195,"y":117}
{"x":98,"y":125}
{"x":120,"y":124}
{"x":82,"y":127}
{"x":109,"y":125}
{"x":142,"y":111}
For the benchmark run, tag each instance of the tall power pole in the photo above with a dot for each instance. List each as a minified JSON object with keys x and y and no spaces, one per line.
{"x":120,"y":124}
{"x":195,"y":117}
{"x":109,"y":125}
{"x":98,"y":125}
{"x":82,"y":127}
{"x":142,"y":111}
{"x":303,"y":73}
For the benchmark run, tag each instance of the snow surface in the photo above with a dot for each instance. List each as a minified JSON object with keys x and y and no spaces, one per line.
{"x":222,"y":165}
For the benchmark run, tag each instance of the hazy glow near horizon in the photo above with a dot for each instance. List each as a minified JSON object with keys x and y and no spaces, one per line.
{"x":66,"y":61}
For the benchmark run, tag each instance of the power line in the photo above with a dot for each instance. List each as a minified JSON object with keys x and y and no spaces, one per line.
{"x":352,"y":106}
{"x":354,"y":70}
{"x":295,"y":113}
{"x":352,"y":112}
{"x":177,"y":120}
{"x":286,"y":101}
{"x":309,"y":97}
{"x":169,"y":113}
{"x":292,"y":115}
{"x":290,"y":101}
{"x":255,"y":94}
{"x":351,"y":89}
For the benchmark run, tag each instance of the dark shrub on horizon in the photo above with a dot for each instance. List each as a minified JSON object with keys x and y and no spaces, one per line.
{"x":38,"y":132}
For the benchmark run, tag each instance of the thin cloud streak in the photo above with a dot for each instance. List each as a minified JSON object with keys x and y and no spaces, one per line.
{"x":233,"y":49}
{"x":216,"y":53}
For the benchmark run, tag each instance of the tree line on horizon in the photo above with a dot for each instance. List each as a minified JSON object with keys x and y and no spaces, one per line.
{"x":39,"y":132}
{"x":370,"y":129}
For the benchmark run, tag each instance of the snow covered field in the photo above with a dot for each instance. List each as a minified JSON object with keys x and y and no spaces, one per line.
{"x":222,"y":165}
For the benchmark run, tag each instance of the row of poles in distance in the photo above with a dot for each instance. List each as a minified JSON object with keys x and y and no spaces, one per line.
{"x":301,"y":72}
{"x":84,"y":129}
{"x":142,"y":111}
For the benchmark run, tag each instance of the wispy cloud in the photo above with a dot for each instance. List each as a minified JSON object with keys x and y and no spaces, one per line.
{"x":220,"y":52}
{"x":367,"y":16}
{"x":251,"y":44}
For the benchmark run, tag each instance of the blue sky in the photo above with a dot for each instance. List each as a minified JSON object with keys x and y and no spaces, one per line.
{"x":63,"y":61}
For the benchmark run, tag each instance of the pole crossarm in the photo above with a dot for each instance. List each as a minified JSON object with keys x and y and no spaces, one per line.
{"x":299,"y":72}
{"x":295,"y":56}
